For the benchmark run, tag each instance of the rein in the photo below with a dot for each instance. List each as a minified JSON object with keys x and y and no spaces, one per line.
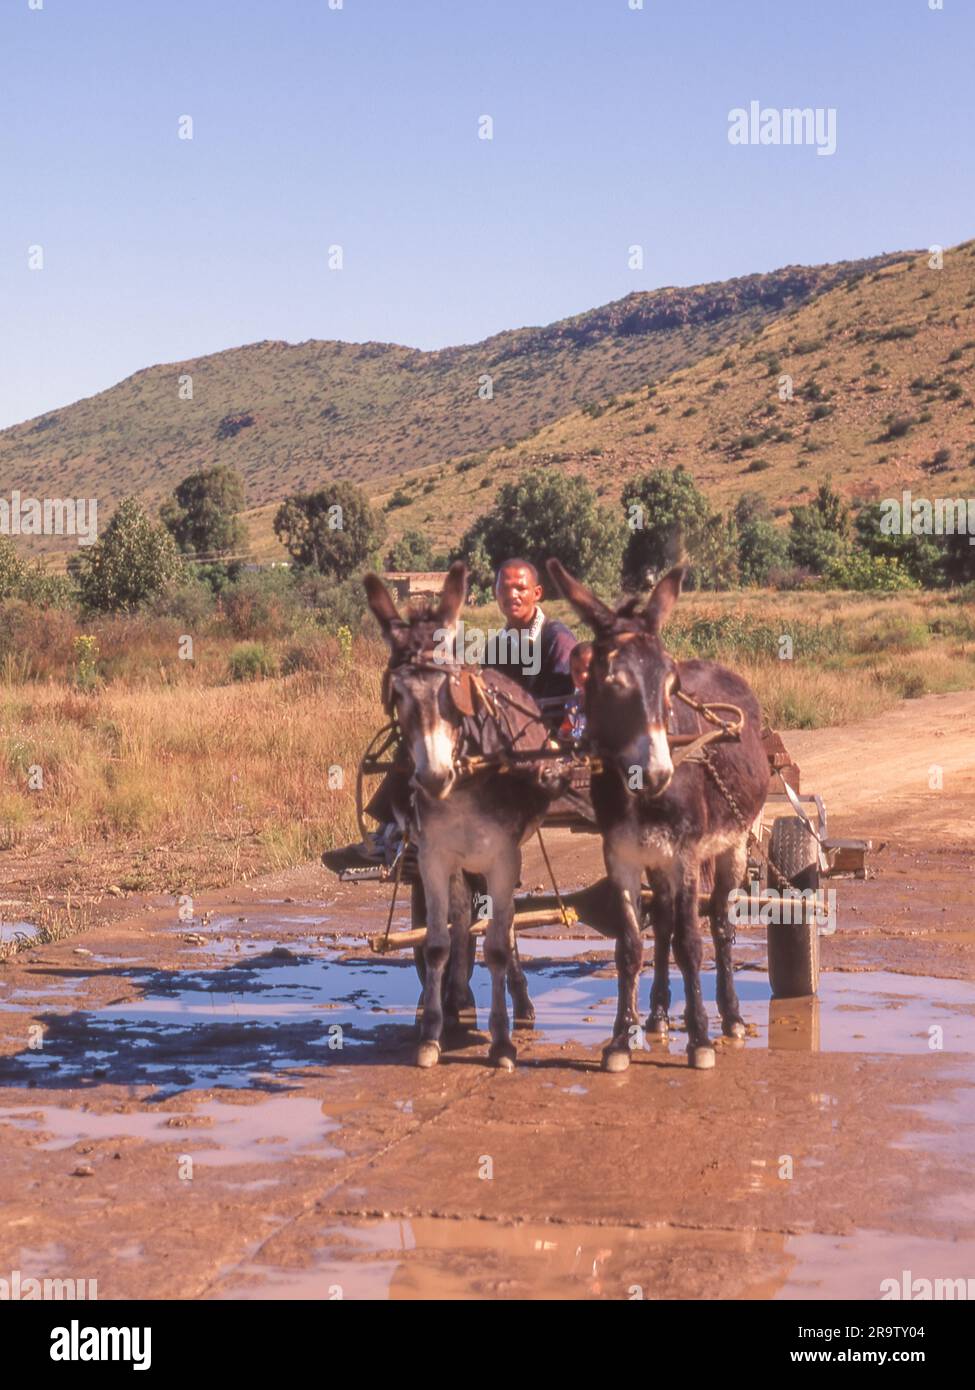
{"x":469,"y":690}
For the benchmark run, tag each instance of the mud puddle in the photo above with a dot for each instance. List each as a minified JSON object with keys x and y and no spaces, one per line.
{"x":231,"y":1134}
{"x":430,"y":1258}
{"x":277,"y":1010}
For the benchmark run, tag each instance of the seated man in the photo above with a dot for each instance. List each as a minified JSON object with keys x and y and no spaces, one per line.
{"x":540,"y":653}
{"x":537,"y":655}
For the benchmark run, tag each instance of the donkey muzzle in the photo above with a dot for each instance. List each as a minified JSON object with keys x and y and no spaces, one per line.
{"x":436,"y":785}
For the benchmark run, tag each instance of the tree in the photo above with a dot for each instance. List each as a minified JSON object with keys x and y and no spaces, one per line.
{"x":135,"y":560}
{"x":671,"y":522}
{"x":202,"y":515}
{"x":934,"y":561}
{"x":413,"y":551}
{"x":547,"y":514}
{"x":819,"y":531}
{"x":334,"y":530}
{"x":762,"y":546}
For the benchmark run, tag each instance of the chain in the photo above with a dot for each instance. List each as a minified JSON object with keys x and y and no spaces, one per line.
{"x":721,"y":784}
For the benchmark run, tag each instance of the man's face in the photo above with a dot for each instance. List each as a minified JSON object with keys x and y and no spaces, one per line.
{"x":518,"y":594}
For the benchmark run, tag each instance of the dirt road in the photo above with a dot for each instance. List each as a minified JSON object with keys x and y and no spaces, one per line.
{"x":225,"y":1108}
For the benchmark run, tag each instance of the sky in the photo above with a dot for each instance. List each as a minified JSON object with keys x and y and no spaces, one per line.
{"x":356,"y":124}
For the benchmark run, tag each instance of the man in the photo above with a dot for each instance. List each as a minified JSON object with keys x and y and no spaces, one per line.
{"x":539,"y":658}
{"x":537,"y":655}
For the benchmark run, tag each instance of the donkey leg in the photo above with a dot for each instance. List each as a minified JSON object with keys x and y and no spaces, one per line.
{"x":521,"y":1004}
{"x":728,"y":873}
{"x":662,"y":918}
{"x":498,"y":951}
{"x":629,"y":958}
{"x":458,"y":996}
{"x":687,"y":950}
{"x":436,"y":950}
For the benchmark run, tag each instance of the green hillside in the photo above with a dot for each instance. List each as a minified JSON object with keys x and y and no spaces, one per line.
{"x":881,"y":371}
{"x":290,"y":416}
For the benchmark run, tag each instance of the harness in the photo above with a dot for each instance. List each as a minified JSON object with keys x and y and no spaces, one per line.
{"x":487,"y":735}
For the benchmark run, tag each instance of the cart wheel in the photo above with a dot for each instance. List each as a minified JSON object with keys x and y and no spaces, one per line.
{"x":794,"y":852}
{"x":793,"y":959}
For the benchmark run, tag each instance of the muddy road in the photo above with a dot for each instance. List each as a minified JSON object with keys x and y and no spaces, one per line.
{"x":225,"y":1108}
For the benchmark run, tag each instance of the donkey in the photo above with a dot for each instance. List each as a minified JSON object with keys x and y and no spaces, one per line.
{"x":476,"y":824}
{"x":671,"y":823}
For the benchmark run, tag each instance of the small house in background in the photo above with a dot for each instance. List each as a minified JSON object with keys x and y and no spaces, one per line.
{"x":416,"y":584}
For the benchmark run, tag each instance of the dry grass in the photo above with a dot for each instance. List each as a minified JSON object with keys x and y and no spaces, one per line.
{"x":217,"y":782}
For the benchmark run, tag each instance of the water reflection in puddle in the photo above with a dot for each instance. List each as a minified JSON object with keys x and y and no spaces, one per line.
{"x":280,"y":1009}
{"x":213,"y":1133}
{"x":427,"y":1258}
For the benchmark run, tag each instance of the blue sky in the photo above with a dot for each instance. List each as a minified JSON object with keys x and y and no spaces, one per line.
{"x":359,"y":127}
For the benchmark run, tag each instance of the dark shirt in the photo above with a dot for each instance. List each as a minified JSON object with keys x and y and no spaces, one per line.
{"x":553,"y":677}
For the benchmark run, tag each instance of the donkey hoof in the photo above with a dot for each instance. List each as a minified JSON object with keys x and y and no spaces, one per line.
{"x":616,"y":1059}
{"x":701,"y":1058}
{"x":428,"y":1054}
{"x":658,"y":1026}
{"x":735,"y":1030}
{"x":503,"y":1056}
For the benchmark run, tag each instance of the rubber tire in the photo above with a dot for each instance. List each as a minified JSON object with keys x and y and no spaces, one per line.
{"x":793,"y":948}
{"x":793,"y":959}
{"x":794,"y":852}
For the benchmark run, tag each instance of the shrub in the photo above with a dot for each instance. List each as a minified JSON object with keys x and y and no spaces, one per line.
{"x":250,"y":661}
{"x":898,"y":426}
{"x":262,"y":604}
{"x":860,"y":570}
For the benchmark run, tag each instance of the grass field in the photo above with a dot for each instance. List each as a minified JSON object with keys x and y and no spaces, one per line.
{"x":169,"y":775}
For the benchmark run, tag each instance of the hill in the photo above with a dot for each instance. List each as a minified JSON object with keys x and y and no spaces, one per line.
{"x":290,"y":416}
{"x":880,"y":373}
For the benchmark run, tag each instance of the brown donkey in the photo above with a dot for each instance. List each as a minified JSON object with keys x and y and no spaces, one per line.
{"x":475,"y":825}
{"x":666,"y":823}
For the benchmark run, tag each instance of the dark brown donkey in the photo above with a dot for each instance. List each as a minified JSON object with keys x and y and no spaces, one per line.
{"x":664,"y":822}
{"x":475,"y":824}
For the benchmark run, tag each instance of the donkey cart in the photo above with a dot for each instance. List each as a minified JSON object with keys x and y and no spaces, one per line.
{"x":790,"y":859}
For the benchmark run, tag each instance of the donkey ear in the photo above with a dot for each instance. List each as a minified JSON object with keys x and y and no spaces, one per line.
{"x":382,"y":605}
{"x":590,"y":609}
{"x":454,"y":593}
{"x":663,"y":598}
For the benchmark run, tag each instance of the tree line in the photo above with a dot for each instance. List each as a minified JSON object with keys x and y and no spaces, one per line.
{"x":333,"y":533}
